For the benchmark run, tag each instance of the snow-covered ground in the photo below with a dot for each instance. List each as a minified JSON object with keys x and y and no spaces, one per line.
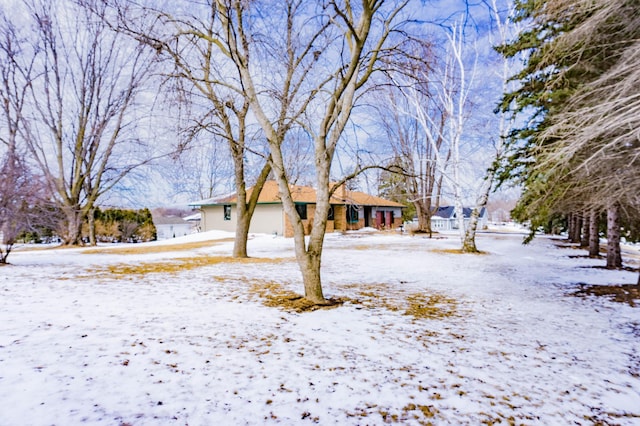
{"x":155,"y":336}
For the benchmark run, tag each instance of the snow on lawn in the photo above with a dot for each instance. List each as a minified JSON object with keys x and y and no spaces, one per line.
{"x":181,"y":335}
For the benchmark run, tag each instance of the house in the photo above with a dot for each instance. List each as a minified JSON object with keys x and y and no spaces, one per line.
{"x":444,"y":219}
{"x":171,"y":227}
{"x":194,"y":220}
{"x":350,"y":210}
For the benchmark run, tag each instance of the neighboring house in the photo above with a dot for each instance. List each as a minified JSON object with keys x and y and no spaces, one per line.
{"x":444,"y":219}
{"x":350,"y":210}
{"x":194,"y":220}
{"x":171,"y":227}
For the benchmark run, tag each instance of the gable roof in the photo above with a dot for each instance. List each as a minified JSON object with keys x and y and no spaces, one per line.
{"x":448,"y":212}
{"x":302,"y":194}
{"x":169,"y":220}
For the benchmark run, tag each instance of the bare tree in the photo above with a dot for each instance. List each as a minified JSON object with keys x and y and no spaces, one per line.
{"x":504,"y":29}
{"x":450,"y":84}
{"x":417,"y":142}
{"x":20,"y":194}
{"x":325,"y":57}
{"x":16,"y":74}
{"x":202,"y":170}
{"x":190,"y":42}
{"x":81,"y":129}
{"x":19,"y":189}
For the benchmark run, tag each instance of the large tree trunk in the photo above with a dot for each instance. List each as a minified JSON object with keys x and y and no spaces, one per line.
{"x":310,"y":262}
{"x":243,"y":222}
{"x":73,"y":232}
{"x":245,"y":208}
{"x":308,"y":256}
{"x":614,"y":256}
{"x":594,"y":237}
{"x":423,"y":211}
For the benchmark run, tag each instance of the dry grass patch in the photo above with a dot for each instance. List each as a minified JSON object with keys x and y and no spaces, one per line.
{"x":275,"y":295}
{"x":430,"y":306}
{"x":120,"y":270}
{"x":420,"y":305}
{"x":150,"y":249}
{"x":456,"y":251}
{"x":376,"y":246}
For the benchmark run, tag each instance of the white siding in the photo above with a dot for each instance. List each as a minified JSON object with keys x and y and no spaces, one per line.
{"x":212,"y":218}
{"x":267,"y":219}
{"x":165,"y":231}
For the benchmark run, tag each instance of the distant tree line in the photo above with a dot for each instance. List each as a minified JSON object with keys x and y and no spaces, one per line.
{"x":112,"y":225}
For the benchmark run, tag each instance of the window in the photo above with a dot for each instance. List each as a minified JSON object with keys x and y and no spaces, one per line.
{"x":227,"y":212}
{"x":352,"y":213}
{"x":330,"y":214}
{"x":302,"y":211}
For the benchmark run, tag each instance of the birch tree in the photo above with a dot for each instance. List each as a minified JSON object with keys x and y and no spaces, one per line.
{"x":505,"y":29}
{"x":443,"y":116}
{"x":414,"y":130}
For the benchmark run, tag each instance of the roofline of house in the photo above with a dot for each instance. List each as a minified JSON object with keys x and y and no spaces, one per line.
{"x":345,"y":203}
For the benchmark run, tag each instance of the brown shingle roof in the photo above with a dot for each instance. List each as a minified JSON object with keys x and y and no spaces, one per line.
{"x":304,"y":194}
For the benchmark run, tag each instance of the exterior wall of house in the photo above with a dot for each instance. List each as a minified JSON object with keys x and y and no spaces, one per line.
{"x":213,"y":218}
{"x":381,"y":217}
{"x":267,"y":219}
{"x":448,"y":224}
{"x":440,"y":223}
{"x":307,"y":223}
{"x":354,"y":226}
{"x":173,"y":230}
{"x":339,"y":218}
{"x":271,"y":219}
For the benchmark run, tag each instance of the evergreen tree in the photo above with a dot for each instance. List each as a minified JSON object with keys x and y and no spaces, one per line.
{"x":579,"y":71}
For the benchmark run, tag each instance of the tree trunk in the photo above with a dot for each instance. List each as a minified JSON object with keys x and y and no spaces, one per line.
{"x":469,"y":243}
{"x":614,"y":256}
{"x":245,"y":208}
{"x":243,"y":222}
{"x":574,"y":227}
{"x":92,"y":227}
{"x":310,"y":267}
{"x":594,"y":237}
{"x":424,"y":216}
{"x":308,"y":256}
{"x":577,"y":237}
{"x":586,"y":228}
{"x":74,"y":226}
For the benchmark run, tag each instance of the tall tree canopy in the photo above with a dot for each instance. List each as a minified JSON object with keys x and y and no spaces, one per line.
{"x":580,"y":147}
